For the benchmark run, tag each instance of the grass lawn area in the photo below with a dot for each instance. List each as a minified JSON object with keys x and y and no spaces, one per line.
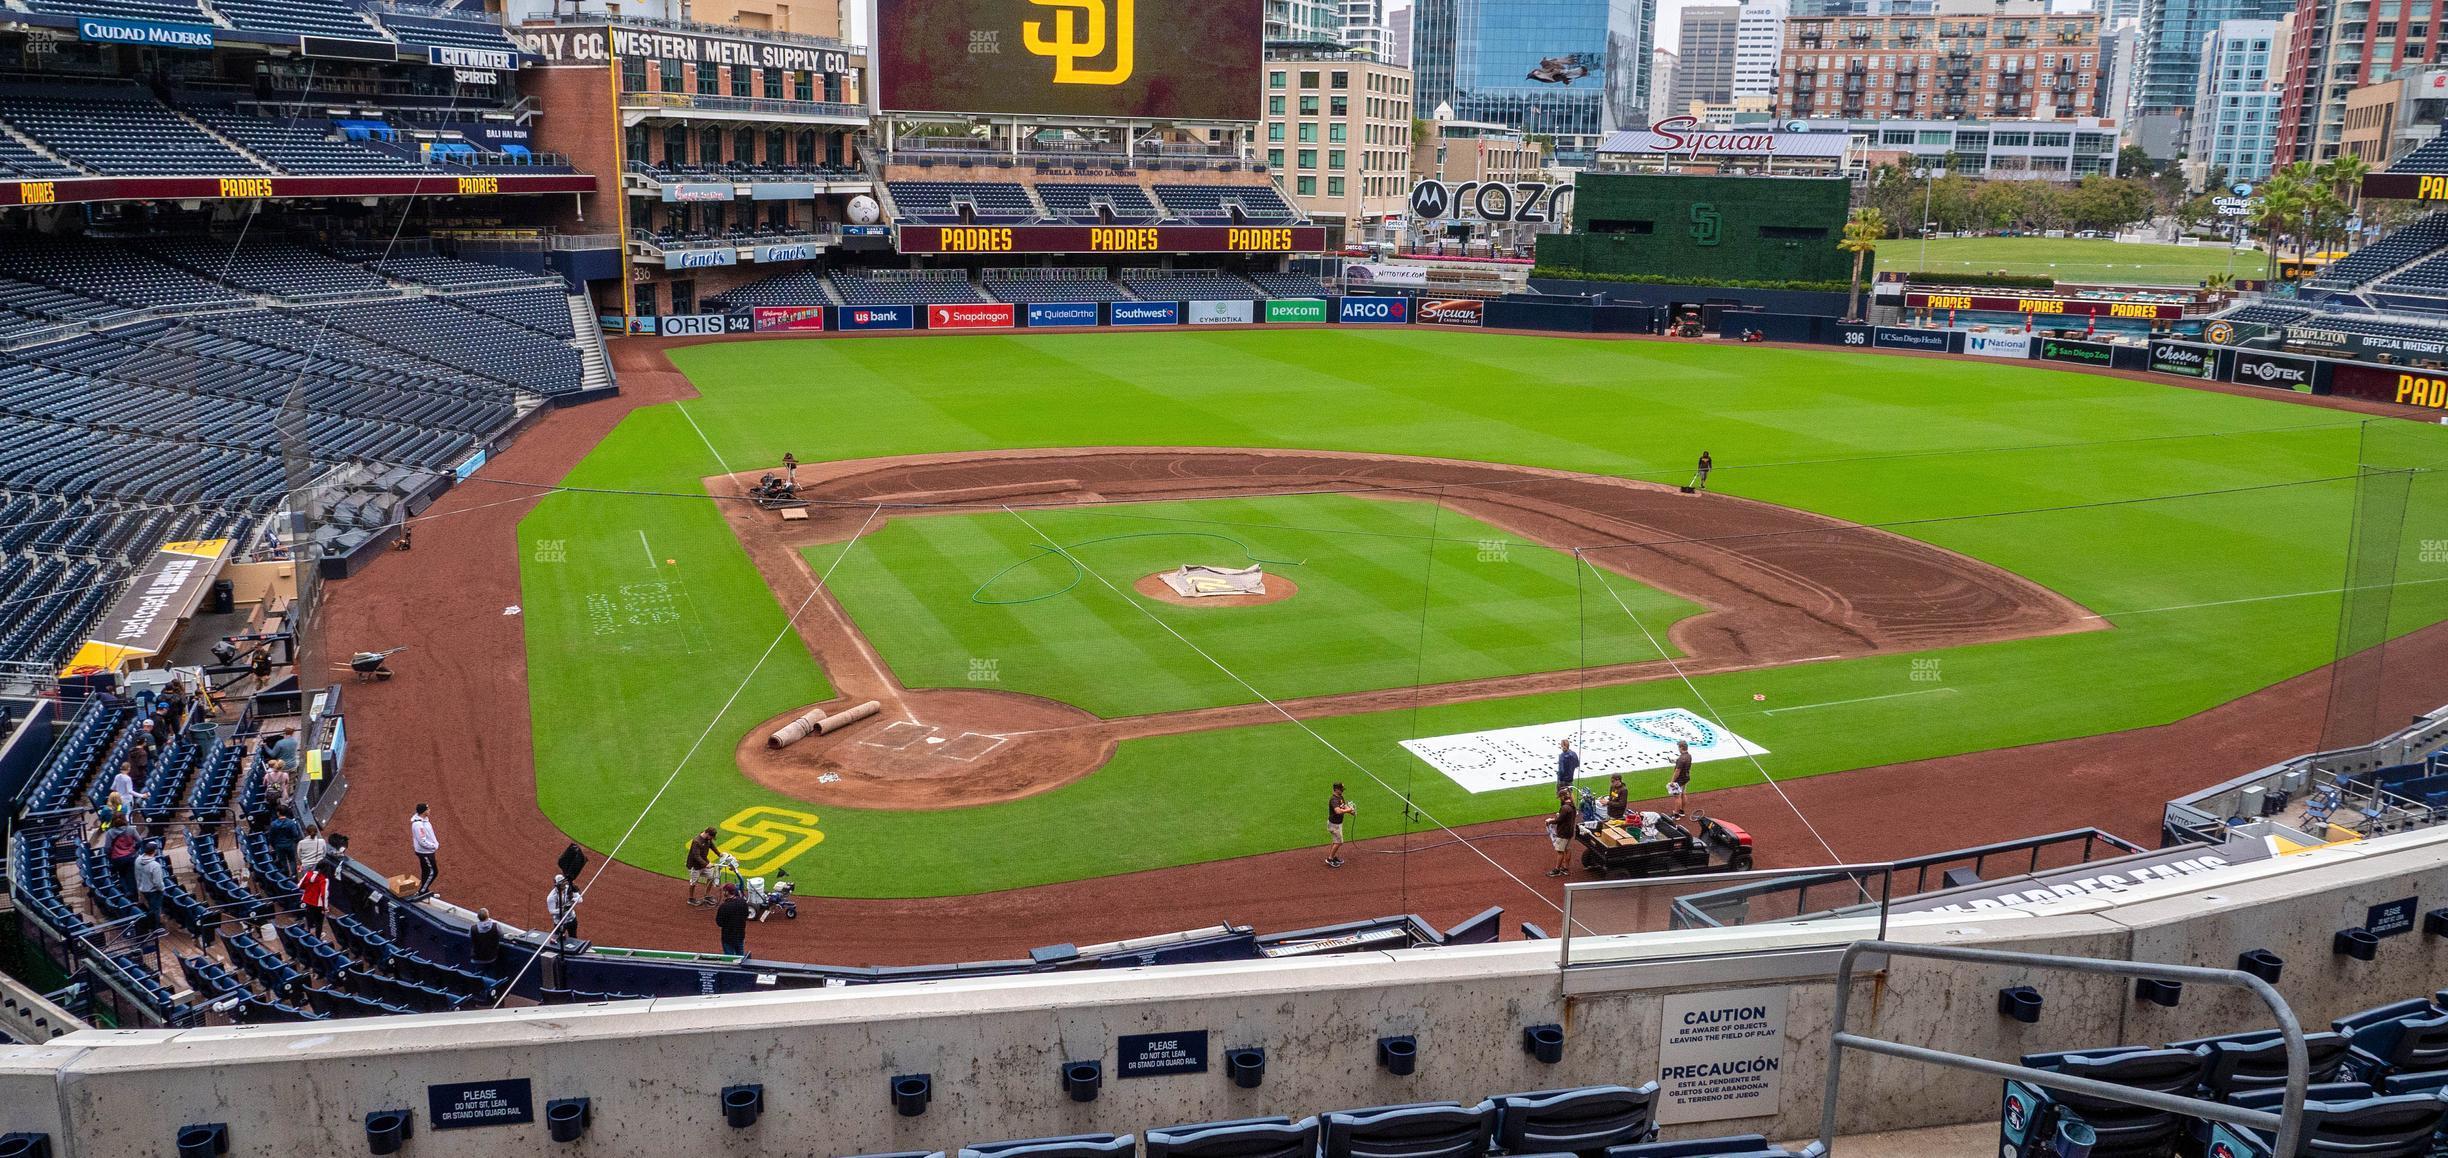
{"x":2075,"y":259}
{"x":642,"y":613}
{"x":933,"y":593}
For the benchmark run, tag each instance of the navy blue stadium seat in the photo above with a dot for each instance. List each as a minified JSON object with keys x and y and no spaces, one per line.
{"x":1066,"y":1146}
{"x":1418,"y":1130}
{"x":1728,"y":1146}
{"x":2404,"y":1036}
{"x":2124,"y":1129}
{"x":1588,"y":1118}
{"x":1238,"y":1138}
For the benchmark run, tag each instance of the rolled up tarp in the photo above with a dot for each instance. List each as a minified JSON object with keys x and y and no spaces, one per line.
{"x":819,"y":724}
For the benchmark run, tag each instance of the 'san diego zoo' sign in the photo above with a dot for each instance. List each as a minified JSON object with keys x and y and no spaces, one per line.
{"x":1433,"y":200}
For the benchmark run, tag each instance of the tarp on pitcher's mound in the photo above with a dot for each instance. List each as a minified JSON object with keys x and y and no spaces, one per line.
{"x":1197,"y":581}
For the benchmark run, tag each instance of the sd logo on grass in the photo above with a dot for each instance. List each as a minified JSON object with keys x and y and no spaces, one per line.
{"x":765,"y":838}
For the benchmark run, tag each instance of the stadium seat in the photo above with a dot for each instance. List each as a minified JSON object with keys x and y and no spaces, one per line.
{"x":2124,"y":1129}
{"x":2402,"y":1126}
{"x":1067,"y":1146}
{"x":1588,"y":1118}
{"x":1729,"y":1146}
{"x":2403,"y":1037}
{"x":2249,"y":1061}
{"x":1419,"y":1130}
{"x":1238,"y":1138}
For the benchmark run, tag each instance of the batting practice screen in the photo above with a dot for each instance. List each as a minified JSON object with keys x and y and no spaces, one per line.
{"x":1770,"y":229}
{"x":1183,"y":60}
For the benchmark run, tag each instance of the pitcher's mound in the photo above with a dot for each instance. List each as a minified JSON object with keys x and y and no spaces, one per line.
{"x":1154,"y":587}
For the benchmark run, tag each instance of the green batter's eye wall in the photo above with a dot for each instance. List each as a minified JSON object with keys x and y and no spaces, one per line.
{"x":1737,"y":229}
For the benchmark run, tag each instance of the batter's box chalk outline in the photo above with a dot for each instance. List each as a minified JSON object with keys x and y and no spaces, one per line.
{"x":968,"y":746}
{"x":900,"y":734}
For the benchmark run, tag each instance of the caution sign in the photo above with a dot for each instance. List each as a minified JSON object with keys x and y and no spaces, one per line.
{"x":1720,"y":1055}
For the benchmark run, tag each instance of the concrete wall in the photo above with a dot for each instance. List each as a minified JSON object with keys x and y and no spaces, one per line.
{"x":653,"y":1069}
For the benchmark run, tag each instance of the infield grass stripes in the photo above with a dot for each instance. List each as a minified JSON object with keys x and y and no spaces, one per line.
{"x":1944,"y":444}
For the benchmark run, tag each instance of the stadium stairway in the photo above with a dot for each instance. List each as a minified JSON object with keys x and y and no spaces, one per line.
{"x":590,"y":342}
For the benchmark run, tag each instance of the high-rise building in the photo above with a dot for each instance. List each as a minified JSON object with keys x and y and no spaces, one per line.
{"x":1399,"y":31}
{"x":1366,"y":30}
{"x":2234,"y":125}
{"x":2008,"y":60}
{"x":2336,"y":47}
{"x":1570,"y":70}
{"x":1663,"y":64}
{"x":1704,"y":72}
{"x":1758,"y":38}
{"x":2167,"y":63}
{"x":1339,"y":139}
{"x":1304,"y":21}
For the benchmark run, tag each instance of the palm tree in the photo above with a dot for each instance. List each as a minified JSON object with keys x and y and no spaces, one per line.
{"x":2343,"y":176}
{"x":2284,"y":199}
{"x":2220,"y":285}
{"x":1861,"y":238}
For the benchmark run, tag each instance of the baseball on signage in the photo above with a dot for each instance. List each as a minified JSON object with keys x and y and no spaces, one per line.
{"x":863,"y":210}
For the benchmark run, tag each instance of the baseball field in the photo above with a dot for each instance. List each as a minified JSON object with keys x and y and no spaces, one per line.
{"x":2075,"y":259}
{"x":1897,"y":559}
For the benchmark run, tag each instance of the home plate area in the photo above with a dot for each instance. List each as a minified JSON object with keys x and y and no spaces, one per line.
{"x":906,"y":735}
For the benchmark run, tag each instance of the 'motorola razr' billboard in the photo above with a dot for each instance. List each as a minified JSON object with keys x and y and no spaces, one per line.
{"x":1173,"y":60}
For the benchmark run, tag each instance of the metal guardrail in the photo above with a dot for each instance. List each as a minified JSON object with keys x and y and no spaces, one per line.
{"x":1698,"y":908}
{"x":1584,"y":894}
{"x":2287,"y":1123}
{"x":766,"y":106}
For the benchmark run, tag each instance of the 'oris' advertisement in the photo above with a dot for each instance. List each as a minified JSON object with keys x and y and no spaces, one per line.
{"x":1453,"y":312}
{"x":2176,"y":358}
{"x":702,"y":325}
{"x":1062,"y":314}
{"x":1145,"y":313}
{"x":2275,"y":372}
{"x":1377,"y":311}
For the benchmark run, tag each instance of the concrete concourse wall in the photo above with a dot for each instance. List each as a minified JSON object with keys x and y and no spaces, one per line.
{"x":653,"y":1069}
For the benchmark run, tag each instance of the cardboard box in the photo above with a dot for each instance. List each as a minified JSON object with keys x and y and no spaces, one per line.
{"x":404,"y":885}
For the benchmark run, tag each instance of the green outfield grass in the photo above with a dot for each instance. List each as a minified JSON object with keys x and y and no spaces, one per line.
{"x":2074,"y":259}
{"x":938,"y":594}
{"x":2211,"y":530}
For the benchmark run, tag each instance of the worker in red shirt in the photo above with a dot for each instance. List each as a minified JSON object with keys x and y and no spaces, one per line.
{"x":313,"y":890}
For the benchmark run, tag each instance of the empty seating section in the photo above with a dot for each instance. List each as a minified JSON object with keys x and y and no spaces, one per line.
{"x":1290,"y":285}
{"x":2269,"y":315}
{"x":544,"y":310}
{"x":1187,"y":285}
{"x":904,"y":287}
{"x":2429,"y":157}
{"x":440,"y":332}
{"x":476,"y":31}
{"x":2408,"y":244}
{"x":985,"y":202}
{"x":270,"y":267}
{"x":799,"y":287}
{"x":312,"y":17}
{"x":446,"y":272}
{"x":110,"y":273}
{"x":1215,"y":204}
{"x":1092,"y":203}
{"x":1051,"y":286}
{"x":2428,"y":278}
{"x":18,"y":159}
{"x":300,"y":146}
{"x":121,"y":131}
{"x":172,"y":10}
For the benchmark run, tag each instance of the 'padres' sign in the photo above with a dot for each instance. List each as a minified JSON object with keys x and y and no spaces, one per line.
{"x":1085,"y":39}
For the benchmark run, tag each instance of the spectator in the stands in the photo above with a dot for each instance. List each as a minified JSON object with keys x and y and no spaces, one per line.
{"x":123,"y":785}
{"x":139,"y":758}
{"x":314,"y":889}
{"x":311,"y":847}
{"x":731,"y":918}
{"x":484,"y":942}
{"x":152,"y":876}
{"x":120,"y":844}
{"x":284,"y":835}
{"x":284,"y":747}
{"x":275,"y":784}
